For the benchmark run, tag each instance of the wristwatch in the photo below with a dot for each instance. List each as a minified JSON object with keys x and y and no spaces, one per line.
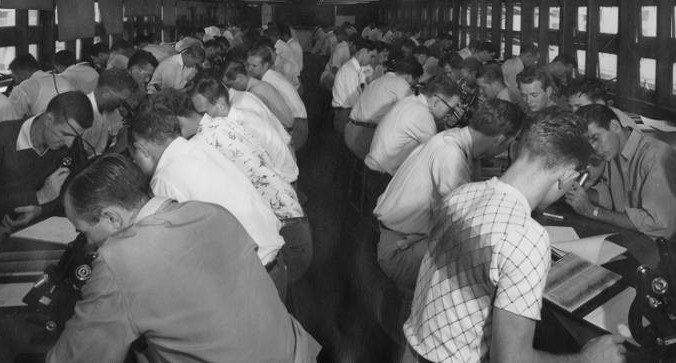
{"x":595,"y":212}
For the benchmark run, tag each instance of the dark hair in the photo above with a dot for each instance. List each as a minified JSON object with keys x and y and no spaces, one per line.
{"x":121,"y":45}
{"x":532,"y":74}
{"x":233,"y":69}
{"x":485,"y":47}
{"x":442,"y":86}
{"x":408,"y":66}
{"x":24,"y":62}
{"x":473,"y":65}
{"x":454,"y":60}
{"x":381,"y":46}
{"x":109,"y":180}
{"x":421,"y":49}
{"x":195,"y":51}
{"x":211,"y":89}
{"x":593,"y":88}
{"x":601,"y":115}
{"x":99,"y":48}
{"x":176,"y":101}
{"x":361,"y":43}
{"x":64,"y":58}
{"x":284,"y":29}
{"x":497,"y":117}
{"x":155,"y":123}
{"x":262,"y":52}
{"x":559,"y":137}
{"x":566,"y":59}
{"x":72,"y":105}
{"x":273,"y":31}
{"x":492,"y":73}
{"x":142,"y":58}
{"x":529,"y":48}
{"x":118,"y":80}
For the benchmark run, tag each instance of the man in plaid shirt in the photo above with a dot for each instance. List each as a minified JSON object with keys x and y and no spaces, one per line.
{"x":480,"y":286}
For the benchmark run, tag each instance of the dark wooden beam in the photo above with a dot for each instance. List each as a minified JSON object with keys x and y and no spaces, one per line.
{"x":543,"y":31}
{"x":665,"y":55}
{"x":592,"y":61}
{"x":527,"y":33}
{"x":627,"y":56}
{"x":509,"y":34}
{"x":567,"y":24}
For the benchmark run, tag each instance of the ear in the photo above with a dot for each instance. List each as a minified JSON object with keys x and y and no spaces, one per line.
{"x":113,"y":218}
{"x":615,"y":126}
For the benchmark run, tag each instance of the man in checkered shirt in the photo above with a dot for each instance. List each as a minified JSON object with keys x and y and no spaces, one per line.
{"x":480,"y":286}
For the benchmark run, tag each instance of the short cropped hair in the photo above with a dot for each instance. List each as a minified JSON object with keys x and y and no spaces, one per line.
{"x":442,"y":86}
{"x":211,"y":89}
{"x":601,"y":115}
{"x":532,"y":74}
{"x":592,"y":88}
{"x":485,"y":47}
{"x":178,"y":102}
{"x":72,"y":105}
{"x":263,"y":52}
{"x":195,"y":51}
{"x":99,"y":48}
{"x":155,"y":123}
{"x":24,"y":62}
{"x":529,"y":48}
{"x":142,"y":58}
{"x":233,"y":69}
{"x":472,"y":65}
{"x":559,"y":137}
{"x":492,"y":73}
{"x":284,"y":29}
{"x":109,"y":180}
{"x":118,"y":80}
{"x":454,"y":60}
{"x":64,"y":58}
{"x":361,"y":43}
{"x":406,"y":66}
{"x":566,"y":59}
{"x":121,"y":45}
{"x":497,"y":117}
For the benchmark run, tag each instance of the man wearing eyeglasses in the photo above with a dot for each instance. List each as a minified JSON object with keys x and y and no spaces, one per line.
{"x":32,"y":154}
{"x":410,"y":123}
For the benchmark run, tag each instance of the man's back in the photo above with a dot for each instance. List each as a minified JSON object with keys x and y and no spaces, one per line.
{"x":82,"y":77}
{"x":488,"y":253}
{"x":188,"y":279}
{"x":288,"y":91}
{"x":379,"y":96}
{"x":192,"y":171}
{"x":31,"y":96}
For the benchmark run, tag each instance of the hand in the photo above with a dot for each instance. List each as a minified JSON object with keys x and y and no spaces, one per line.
{"x":595,"y":173}
{"x":24,"y":216}
{"x":52,"y":186}
{"x":577,"y":198}
{"x":606,"y":349}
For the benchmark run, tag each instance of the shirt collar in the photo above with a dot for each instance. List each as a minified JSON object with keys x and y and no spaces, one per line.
{"x":632,"y":144}
{"x":179,"y":56}
{"x":151,"y":207}
{"x":422,"y":99}
{"x":508,"y":189}
{"x":23,"y":142}
{"x":355,"y":63}
{"x":92,"y":99}
{"x":175,"y":148}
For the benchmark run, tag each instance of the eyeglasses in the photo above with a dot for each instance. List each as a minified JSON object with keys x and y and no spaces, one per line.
{"x":444,"y":102}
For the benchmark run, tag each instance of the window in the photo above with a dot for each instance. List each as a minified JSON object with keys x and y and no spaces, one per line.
{"x":536,"y":17}
{"x":607,"y":66}
{"x":468,"y":15}
{"x":516,"y":18}
{"x":489,"y":16}
{"x":516,"y":50}
{"x":647,"y":73}
{"x":78,"y":48}
{"x":97,"y":39}
{"x":608,"y":19}
{"x":33,"y":18}
{"x":554,"y":17}
{"x":467,"y":40}
{"x":581,"y":61}
{"x":97,"y":12}
{"x":7,"y":17}
{"x":479,"y":17}
{"x":553,"y":52}
{"x":502,"y":49}
{"x":59,"y":46}
{"x":33,"y":50}
{"x":7,"y":55}
{"x":649,"y":21}
{"x":582,"y":18}
{"x":503,"y":16}
{"x":673,"y":77}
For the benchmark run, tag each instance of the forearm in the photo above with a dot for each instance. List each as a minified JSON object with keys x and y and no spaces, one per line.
{"x":619,"y":219}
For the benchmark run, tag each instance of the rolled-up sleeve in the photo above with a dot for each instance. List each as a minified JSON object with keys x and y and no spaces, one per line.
{"x":101,"y":329}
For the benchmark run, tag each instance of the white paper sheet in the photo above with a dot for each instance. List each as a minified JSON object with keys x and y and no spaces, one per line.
{"x":613,"y":316}
{"x":594,"y":249}
{"x":11,"y":294}
{"x":55,"y":229}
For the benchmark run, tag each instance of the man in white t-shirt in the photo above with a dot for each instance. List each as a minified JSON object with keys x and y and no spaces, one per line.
{"x":445,"y":162}
{"x":480,"y":286}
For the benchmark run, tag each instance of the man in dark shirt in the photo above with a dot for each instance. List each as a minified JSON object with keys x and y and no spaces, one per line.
{"x":32,"y":154}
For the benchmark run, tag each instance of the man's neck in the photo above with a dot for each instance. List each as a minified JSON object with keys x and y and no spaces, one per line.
{"x":37,"y":133}
{"x":623,"y":137}
{"x":527,"y":177}
{"x":480,"y":143}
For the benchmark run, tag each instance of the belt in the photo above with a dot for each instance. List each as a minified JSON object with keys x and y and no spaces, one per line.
{"x":369,"y":125}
